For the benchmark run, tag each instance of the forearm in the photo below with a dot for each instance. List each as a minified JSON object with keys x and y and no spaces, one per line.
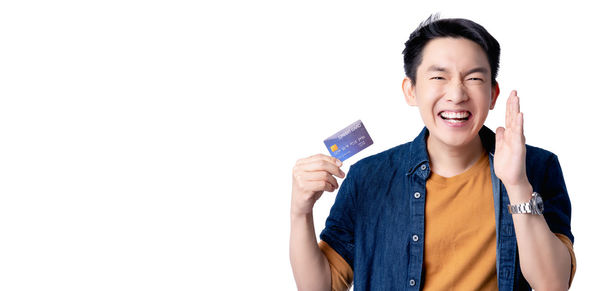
{"x":545,"y":261}
{"x":309,"y":264}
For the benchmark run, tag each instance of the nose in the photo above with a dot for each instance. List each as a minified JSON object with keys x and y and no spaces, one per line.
{"x":457,"y":93}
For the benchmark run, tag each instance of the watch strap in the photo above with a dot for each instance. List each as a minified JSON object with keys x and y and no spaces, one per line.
{"x":526,"y":208}
{"x":520,"y":208}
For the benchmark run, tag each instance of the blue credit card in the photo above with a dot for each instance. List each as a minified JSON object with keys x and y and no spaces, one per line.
{"x":348,"y":141}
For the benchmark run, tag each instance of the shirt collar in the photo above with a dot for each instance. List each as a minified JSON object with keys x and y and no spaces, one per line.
{"x":418,"y":147}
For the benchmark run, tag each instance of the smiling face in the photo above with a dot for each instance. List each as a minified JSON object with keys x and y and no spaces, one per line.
{"x":453,"y":90}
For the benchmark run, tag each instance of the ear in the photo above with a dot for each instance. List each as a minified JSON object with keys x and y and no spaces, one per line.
{"x":409,"y":92}
{"x":495,"y":93}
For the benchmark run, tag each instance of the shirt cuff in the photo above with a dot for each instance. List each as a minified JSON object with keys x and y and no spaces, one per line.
{"x":341,"y":272}
{"x":569,"y":245}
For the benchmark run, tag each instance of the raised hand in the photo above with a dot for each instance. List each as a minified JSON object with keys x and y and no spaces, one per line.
{"x":509,"y":159}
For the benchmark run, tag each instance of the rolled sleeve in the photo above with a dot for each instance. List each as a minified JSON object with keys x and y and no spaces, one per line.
{"x":565,"y":240}
{"x":341,"y":272}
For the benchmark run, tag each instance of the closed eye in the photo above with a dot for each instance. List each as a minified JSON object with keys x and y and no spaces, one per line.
{"x":476,"y":79}
{"x":437,"y":78}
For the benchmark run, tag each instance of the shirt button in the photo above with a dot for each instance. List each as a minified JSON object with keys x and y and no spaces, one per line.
{"x":415,"y":237}
{"x":412,"y":282}
{"x":417,"y":195}
{"x":423,"y":167}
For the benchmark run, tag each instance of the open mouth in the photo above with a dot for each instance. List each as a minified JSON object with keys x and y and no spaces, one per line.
{"x":455,"y":116}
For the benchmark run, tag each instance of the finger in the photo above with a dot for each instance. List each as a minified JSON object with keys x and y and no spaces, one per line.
{"x":522,"y":128}
{"x":307,"y":159}
{"x":511,"y":110}
{"x":508,"y":114}
{"x":322,"y":165}
{"x":318,"y":186}
{"x":499,"y":136}
{"x":520,"y":123}
{"x":307,"y":164}
{"x":320,"y":176}
{"x":516,"y":111}
{"x":318,"y":157}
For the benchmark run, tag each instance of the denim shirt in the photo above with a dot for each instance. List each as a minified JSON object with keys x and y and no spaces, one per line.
{"x":377,"y":223}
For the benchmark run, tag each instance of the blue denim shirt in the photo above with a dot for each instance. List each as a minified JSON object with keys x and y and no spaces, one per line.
{"x":377,"y":223}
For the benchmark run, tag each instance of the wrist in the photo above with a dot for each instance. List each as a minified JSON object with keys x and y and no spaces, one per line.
{"x":301,"y":220}
{"x":519,"y":193}
{"x":296,"y":213}
{"x":301,"y":207}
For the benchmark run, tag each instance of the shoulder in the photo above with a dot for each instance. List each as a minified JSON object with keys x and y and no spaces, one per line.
{"x":536,"y":154}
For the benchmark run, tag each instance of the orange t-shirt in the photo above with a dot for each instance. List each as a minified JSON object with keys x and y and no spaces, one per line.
{"x":460,"y":231}
{"x":460,"y":234}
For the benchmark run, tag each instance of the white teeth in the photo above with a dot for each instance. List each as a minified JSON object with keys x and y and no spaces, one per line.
{"x":448,"y":114}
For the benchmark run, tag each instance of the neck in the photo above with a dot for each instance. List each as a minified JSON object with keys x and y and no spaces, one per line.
{"x":448,"y":161}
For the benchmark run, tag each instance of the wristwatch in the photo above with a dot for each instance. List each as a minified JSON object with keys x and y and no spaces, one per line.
{"x":534,"y":206}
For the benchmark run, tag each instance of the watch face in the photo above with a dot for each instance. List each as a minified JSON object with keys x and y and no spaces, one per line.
{"x":539,"y":204}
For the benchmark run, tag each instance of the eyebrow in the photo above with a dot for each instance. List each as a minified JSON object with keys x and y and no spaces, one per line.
{"x":435,"y":68}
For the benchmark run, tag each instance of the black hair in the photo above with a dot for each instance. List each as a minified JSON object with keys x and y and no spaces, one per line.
{"x":434,"y":27}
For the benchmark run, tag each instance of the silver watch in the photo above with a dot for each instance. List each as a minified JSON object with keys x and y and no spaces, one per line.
{"x":534,"y":206}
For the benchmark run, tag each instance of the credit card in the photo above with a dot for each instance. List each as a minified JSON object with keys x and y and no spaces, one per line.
{"x":348,"y":141}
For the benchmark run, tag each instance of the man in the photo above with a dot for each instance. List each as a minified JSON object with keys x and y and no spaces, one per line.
{"x":432,"y":214}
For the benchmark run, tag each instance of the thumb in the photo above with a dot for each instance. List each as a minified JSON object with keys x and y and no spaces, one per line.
{"x":499,"y":135}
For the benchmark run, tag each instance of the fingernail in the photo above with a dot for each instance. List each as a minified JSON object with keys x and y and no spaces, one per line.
{"x":338,"y":162}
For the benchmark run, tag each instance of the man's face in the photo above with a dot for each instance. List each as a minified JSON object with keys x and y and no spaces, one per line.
{"x":453,"y":90}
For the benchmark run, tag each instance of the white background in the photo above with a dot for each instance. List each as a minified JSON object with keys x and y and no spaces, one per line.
{"x":148,"y":145}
